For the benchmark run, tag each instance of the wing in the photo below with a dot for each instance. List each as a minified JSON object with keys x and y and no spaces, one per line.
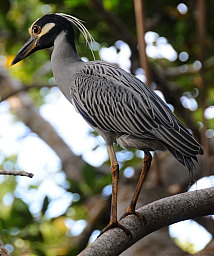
{"x":111,"y":107}
{"x":117,"y":102}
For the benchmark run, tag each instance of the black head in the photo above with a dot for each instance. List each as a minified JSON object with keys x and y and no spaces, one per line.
{"x":44,"y":31}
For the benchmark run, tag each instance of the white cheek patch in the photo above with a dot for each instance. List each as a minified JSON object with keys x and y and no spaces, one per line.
{"x":46,"y":29}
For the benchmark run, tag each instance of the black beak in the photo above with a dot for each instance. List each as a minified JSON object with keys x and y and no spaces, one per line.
{"x":28,"y":48}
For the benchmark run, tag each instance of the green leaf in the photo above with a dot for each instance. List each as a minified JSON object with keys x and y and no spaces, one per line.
{"x":45,"y":204}
{"x":20,"y":215}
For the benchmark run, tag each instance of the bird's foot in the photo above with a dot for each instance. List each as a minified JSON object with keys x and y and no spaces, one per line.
{"x":130,"y":211}
{"x":116,"y":225}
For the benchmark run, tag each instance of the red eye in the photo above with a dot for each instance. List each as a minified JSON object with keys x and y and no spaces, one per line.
{"x":36,"y":29}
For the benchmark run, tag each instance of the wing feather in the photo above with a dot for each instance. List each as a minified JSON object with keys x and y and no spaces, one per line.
{"x":113,"y":105}
{"x":114,"y":101}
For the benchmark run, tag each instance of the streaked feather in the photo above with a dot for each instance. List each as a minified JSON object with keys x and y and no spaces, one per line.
{"x":119,"y":104}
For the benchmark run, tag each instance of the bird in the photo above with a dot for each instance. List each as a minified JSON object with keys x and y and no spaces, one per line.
{"x":116,"y":104}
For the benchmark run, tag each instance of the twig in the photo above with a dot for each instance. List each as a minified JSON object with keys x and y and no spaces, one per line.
{"x":157,"y":215}
{"x":16,"y":173}
{"x":3,"y":251}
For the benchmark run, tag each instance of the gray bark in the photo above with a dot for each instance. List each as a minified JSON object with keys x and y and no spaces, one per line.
{"x":157,"y":215}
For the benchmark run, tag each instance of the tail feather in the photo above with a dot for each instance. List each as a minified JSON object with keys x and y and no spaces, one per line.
{"x":180,"y":140}
{"x":186,"y":161}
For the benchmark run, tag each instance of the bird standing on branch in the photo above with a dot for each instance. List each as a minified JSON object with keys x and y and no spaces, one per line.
{"x":115,"y":103}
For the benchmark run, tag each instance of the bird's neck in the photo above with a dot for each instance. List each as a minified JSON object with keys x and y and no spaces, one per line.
{"x":64,"y":50}
{"x":64,"y":61}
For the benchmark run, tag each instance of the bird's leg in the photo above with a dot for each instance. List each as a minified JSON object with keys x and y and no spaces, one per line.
{"x":146,"y":165}
{"x":115,"y":178}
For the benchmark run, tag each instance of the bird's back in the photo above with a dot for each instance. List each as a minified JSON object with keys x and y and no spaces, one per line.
{"x":124,"y":110}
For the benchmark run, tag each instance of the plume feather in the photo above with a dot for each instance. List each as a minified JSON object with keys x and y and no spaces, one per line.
{"x":83,"y":30}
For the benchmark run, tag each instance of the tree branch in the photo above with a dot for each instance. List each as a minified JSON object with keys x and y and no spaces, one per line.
{"x":16,"y":173}
{"x":157,"y":215}
{"x":24,"y":88}
{"x":3,"y":251}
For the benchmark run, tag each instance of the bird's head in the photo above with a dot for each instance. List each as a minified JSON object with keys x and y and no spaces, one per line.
{"x":45,"y":30}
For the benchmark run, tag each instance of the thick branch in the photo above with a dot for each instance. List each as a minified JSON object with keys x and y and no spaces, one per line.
{"x":157,"y":215}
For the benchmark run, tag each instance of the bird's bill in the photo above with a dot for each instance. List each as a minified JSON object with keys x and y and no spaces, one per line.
{"x":28,"y":48}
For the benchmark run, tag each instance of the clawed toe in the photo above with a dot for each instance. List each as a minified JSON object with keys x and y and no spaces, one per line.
{"x":139,"y":215}
{"x":116,"y":225}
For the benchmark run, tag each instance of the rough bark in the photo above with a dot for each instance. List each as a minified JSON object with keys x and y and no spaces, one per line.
{"x":157,"y":215}
{"x":158,"y":240}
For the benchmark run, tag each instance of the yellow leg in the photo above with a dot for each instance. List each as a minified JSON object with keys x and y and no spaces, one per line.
{"x":115,"y":178}
{"x":146,"y":165}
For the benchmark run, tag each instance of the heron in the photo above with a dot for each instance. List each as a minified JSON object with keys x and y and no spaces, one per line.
{"x":116,"y":104}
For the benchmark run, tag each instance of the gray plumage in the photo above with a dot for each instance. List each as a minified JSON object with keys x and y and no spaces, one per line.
{"x":124,"y":110}
{"x":115,"y":103}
